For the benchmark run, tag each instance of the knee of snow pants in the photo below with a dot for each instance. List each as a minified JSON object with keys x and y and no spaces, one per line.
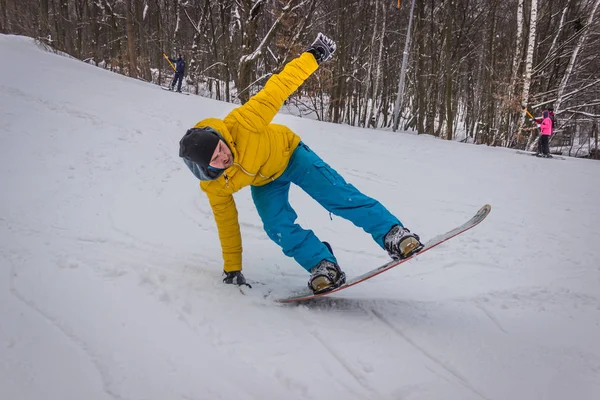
{"x":307,"y":170}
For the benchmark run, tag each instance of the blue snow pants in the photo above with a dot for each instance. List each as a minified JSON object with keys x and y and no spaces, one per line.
{"x":177,"y":79}
{"x":328,"y":188}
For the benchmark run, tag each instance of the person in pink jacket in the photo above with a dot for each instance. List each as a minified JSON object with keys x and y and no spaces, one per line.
{"x":546,"y":131}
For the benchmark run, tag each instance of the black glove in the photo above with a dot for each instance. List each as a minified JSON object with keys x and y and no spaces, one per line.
{"x":236,"y":278}
{"x":322,"y":48}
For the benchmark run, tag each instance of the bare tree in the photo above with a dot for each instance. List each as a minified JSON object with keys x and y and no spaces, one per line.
{"x":470,"y":67}
{"x":580,"y":42}
{"x":131,"y":50}
{"x":529,"y":59}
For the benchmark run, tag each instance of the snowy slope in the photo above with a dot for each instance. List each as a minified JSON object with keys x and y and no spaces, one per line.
{"x":110,"y":267}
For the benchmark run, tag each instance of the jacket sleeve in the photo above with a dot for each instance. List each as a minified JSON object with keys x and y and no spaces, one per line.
{"x":226,"y":217}
{"x":260,"y":110}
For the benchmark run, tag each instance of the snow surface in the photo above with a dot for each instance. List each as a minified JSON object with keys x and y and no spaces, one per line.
{"x":110,"y":266}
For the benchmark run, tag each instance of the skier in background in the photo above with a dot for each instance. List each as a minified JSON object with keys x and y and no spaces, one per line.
{"x":179,"y":71}
{"x":546,"y":127}
{"x":552,"y":117}
{"x":246,"y":149}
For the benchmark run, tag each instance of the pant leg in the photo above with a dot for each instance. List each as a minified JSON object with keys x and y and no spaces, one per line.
{"x":546,"y":144}
{"x":279,"y":220}
{"x":330,"y":190}
{"x":540,"y":146}
{"x":174,"y":81}
{"x":180,"y":79}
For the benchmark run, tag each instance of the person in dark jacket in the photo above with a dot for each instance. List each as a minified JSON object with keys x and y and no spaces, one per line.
{"x":179,"y":71}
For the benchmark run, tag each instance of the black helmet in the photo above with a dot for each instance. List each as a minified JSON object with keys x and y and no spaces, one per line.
{"x":198,"y":145}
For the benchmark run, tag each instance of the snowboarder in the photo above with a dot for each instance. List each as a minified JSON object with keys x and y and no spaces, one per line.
{"x":246,"y":149}
{"x":179,"y":71}
{"x":545,"y":126}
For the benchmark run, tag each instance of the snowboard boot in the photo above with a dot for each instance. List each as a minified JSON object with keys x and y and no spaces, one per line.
{"x":400,"y":243}
{"x":326,"y":276}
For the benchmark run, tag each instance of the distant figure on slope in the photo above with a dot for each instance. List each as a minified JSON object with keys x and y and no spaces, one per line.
{"x":246,"y":149}
{"x":552,"y":118}
{"x":179,"y":71}
{"x":545,"y":126}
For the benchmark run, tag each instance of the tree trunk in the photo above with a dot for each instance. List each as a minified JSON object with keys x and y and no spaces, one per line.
{"x":244,"y":74}
{"x":58,"y":39}
{"x":3,"y":17}
{"x":516,"y":65}
{"x":143,"y":53}
{"x":518,"y":49}
{"x":368,"y":81}
{"x":159,"y":34}
{"x":378,"y":69}
{"x":561,"y":26}
{"x":95,"y":12}
{"x":44,"y":28}
{"x":80,"y":9}
{"x":403,"y":70}
{"x":251,"y":49}
{"x":226,"y":44}
{"x":580,"y":42}
{"x":595,"y":128}
{"x":66,"y":27}
{"x":529,"y":65}
{"x":419,"y":73}
{"x":336,"y":104}
{"x":491,"y":77}
{"x":433,"y":75}
{"x":448,"y":56}
{"x":215,"y":48}
{"x":131,"y":51}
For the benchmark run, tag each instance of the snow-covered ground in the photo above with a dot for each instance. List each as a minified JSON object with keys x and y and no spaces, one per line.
{"x":110,"y":266}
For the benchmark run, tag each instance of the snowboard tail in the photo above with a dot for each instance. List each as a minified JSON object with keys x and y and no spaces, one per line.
{"x":474,"y":221}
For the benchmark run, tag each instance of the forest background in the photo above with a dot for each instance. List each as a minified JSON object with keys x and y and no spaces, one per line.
{"x":476,"y":71}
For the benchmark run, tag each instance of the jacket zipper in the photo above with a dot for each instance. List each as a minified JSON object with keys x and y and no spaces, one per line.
{"x":226,"y":179}
{"x":252,"y":175}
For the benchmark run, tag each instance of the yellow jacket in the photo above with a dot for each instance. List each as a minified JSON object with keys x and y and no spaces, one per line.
{"x":261,"y":151}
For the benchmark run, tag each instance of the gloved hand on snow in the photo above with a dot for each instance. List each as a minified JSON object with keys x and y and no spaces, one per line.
{"x":235,"y":278}
{"x":322,"y":48}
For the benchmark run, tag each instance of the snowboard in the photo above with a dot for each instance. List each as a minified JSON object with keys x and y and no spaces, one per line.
{"x":174,"y":91}
{"x":531,"y":153}
{"x":307,"y":294}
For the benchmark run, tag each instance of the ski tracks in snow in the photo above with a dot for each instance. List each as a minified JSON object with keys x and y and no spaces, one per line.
{"x":356,"y":375}
{"x":57,"y":324}
{"x":458,"y":377}
{"x":491,"y":317}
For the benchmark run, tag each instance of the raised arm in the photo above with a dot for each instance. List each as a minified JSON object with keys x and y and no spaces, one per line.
{"x":260,"y":110}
